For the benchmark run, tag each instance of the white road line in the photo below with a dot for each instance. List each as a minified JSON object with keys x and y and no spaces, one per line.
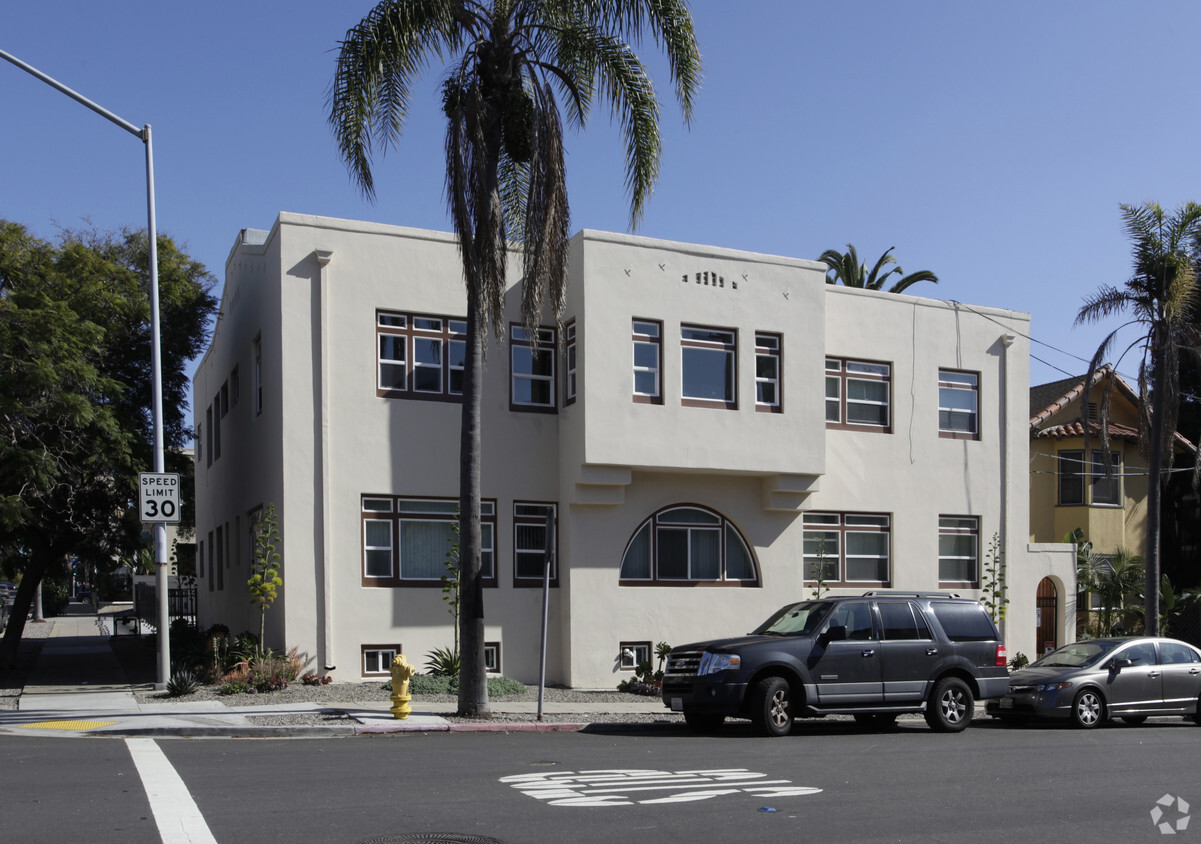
{"x":178,"y":818}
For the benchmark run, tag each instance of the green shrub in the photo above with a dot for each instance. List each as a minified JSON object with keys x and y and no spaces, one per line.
{"x":440,"y":684}
{"x":501,"y":686}
{"x":182,"y":683}
{"x":55,"y":597}
{"x":443,"y":662}
{"x":234,"y":687}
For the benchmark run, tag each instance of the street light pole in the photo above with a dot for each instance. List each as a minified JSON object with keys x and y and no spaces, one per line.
{"x":160,"y":528}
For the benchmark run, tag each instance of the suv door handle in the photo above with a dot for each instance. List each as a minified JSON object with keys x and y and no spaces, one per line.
{"x":931,"y":651}
{"x":868,"y":652}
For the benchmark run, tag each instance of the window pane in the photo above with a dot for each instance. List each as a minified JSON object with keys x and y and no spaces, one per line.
{"x":867,"y":556}
{"x":646,"y":355}
{"x":708,"y":374}
{"x":739,"y":565}
{"x":417,"y":505}
{"x":966,"y":379}
{"x":706,"y":554}
{"x":647,"y":329}
{"x":637,"y":562}
{"x":897,"y":619}
{"x":689,"y":516}
{"x":767,"y":366}
{"x":673,"y":553}
{"x":874,"y":391}
{"x":486,"y":556}
{"x":708,"y":335}
{"x":880,"y":369}
{"x":646,"y":383}
{"x":423,"y":549}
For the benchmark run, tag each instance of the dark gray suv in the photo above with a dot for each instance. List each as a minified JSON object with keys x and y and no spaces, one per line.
{"x":874,"y":656}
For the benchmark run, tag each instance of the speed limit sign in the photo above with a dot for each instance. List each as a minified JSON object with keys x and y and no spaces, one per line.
{"x":158,"y":497}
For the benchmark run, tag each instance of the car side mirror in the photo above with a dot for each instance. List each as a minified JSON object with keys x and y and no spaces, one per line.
{"x":1119,"y":664}
{"x":837,"y":633}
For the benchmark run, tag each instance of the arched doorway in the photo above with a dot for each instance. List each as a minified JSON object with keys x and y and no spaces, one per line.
{"x":1046,"y":616}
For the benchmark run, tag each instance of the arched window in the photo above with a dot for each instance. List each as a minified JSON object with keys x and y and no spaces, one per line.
{"x":684,"y":545}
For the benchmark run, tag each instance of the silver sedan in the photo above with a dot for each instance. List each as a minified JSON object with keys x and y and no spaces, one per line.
{"x":1091,"y":681}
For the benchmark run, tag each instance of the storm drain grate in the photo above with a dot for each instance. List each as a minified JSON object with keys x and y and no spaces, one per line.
{"x":67,"y":725}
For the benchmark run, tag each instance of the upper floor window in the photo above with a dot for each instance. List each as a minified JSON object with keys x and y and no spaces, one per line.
{"x":958,"y":404}
{"x":688,"y":545}
{"x":767,"y":372}
{"x":708,"y":366}
{"x":858,"y":395}
{"x":257,"y":357}
{"x":959,"y":551}
{"x":406,"y":540}
{"x":849,"y":548}
{"x":532,"y":366}
{"x":235,"y":386}
{"x":648,"y":361}
{"x":569,"y":363}
{"x":420,"y":357}
{"x":529,"y":544}
{"x":1105,"y":491}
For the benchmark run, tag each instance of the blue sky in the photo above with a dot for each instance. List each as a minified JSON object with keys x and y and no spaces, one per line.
{"x":988,"y":142}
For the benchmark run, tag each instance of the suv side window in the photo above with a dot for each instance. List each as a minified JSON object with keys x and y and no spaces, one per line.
{"x":901,"y":620}
{"x":856,"y":616}
{"x":964,"y":622}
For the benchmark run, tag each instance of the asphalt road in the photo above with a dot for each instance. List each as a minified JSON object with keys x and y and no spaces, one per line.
{"x":826,"y":782}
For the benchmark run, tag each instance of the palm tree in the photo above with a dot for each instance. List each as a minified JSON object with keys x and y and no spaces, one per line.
{"x":1161,"y":295}
{"x":1112,"y":577}
{"x":510,"y":64}
{"x":847,"y":269}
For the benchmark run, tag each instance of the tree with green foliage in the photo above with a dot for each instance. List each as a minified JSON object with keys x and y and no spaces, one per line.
{"x":512,"y":65}
{"x":265,"y":565}
{"x":75,"y":396}
{"x":1162,"y":294}
{"x":848,"y":270}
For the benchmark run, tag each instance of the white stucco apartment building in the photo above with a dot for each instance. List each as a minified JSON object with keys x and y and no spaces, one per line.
{"x":708,"y":421}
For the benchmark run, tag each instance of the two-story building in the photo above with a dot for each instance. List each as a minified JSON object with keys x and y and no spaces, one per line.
{"x":708,"y":428}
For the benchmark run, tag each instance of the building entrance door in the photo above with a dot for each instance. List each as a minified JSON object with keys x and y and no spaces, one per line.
{"x":1046,"y":614}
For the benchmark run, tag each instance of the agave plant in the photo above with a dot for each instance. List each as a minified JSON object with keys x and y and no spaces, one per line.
{"x":443,"y":662}
{"x":182,"y":683}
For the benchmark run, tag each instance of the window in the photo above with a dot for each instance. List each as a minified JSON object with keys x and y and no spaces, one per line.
{"x":633,"y":654}
{"x":687,"y":545}
{"x":1105,"y":492}
{"x":212,"y":574}
{"x":377,"y":659}
{"x":648,"y":361}
{"x":532,"y":366}
{"x":958,"y":405}
{"x":569,"y":363}
{"x":218,"y":413}
{"x":200,"y":452}
{"x":529,"y":544}
{"x":420,"y":357}
{"x":767,"y":373}
{"x":902,"y":621}
{"x":200,"y":559}
{"x":492,"y":657}
{"x":853,"y":547}
{"x":208,"y":427}
{"x":858,"y":395}
{"x":257,"y":350}
{"x":406,"y":540}
{"x":708,"y":365}
{"x":958,"y":551}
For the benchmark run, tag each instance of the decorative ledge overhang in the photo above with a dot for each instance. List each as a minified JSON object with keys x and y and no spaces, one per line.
{"x":605,"y":486}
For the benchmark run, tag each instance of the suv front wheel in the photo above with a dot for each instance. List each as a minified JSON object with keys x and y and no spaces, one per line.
{"x":772,"y":706}
{"x":950,"y":707}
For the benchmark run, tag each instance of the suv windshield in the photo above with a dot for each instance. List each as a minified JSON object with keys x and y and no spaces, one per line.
{"x":795,"y":619}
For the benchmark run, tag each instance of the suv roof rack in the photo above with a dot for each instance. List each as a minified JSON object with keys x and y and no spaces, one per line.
{"x":890,"y":592}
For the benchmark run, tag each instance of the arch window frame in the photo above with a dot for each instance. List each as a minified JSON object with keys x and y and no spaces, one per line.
{"x":684,"y":531}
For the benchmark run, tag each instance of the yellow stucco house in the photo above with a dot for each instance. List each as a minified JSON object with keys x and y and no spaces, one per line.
{"x":1069,"y":489}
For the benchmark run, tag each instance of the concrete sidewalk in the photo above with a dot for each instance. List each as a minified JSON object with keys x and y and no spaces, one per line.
{"x":78,"y":688}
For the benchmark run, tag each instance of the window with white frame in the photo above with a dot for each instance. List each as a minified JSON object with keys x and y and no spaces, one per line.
{"x":959,"y":551}
{"x":532,"y":367}
{"x":767,"y":372}
{"x":708,"y":366}
{"x":377,"y":659}
{"x":569,"y":363}
{"x":529,"y":543}
{"x":958,"y":404}
{"x":492,"y":657}
{"x":406,"y":540}
{"x":853,"y":547}
{"x":633,"y":654}
{"x":648,"y":361}
{"x":858,"y":395}
{"x":420,"y":356}
{"x":686,"y":544}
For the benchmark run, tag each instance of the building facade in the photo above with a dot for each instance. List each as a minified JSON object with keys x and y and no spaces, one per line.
{"x":712,"y":432}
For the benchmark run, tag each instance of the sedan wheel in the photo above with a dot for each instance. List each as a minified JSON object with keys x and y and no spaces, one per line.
{"x":1088,"y":710}
{"x":773,"y":706}
{"x":950,"y":707}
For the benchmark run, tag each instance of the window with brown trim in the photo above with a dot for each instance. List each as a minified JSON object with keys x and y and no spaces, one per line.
{"x":858,"y":395}
{"x":959,"y":551}
{"x":708,"y":367}
{"x":958,"y":405}
{"x":687,"y":545}
{"x":377,"y":659}
{"x":420,"y":356}
{"x":633,"y":654}
{"x":492,"y":657}
{"x":569,"y":363}
{"x":532,"y":369}
{"x":529,"y":543}
{"x":648,"y":361}
{"x":406,"y":540}
{"x":852,"y":549}
{"x":768,"y":372}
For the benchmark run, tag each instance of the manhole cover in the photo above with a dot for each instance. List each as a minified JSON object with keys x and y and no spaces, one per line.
{"x":432,"y":838}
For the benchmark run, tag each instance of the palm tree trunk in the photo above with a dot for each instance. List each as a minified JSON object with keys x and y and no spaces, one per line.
{"x":1154,"y":487}
{"x":473,"y":684}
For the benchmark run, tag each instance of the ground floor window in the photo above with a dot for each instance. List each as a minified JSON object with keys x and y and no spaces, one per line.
{"x":406,"y":541}
{"x":847,"y":548}
{"x":633,"y":654}
{"x":492,"y":657}
{"x":687,"y":545}
{"x":377,"y":659}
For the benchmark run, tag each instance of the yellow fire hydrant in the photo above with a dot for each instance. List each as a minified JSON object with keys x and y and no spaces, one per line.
{"x":401,"y":672}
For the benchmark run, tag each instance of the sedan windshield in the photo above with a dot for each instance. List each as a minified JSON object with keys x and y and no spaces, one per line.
{"x":1077,"y":654}
{"x":795,"y":619}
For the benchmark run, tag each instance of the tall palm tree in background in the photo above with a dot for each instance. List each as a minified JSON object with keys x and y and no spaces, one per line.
{"x":847,"y":269}
{"x":1161,"y":295}
{"x":512,"y":65}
